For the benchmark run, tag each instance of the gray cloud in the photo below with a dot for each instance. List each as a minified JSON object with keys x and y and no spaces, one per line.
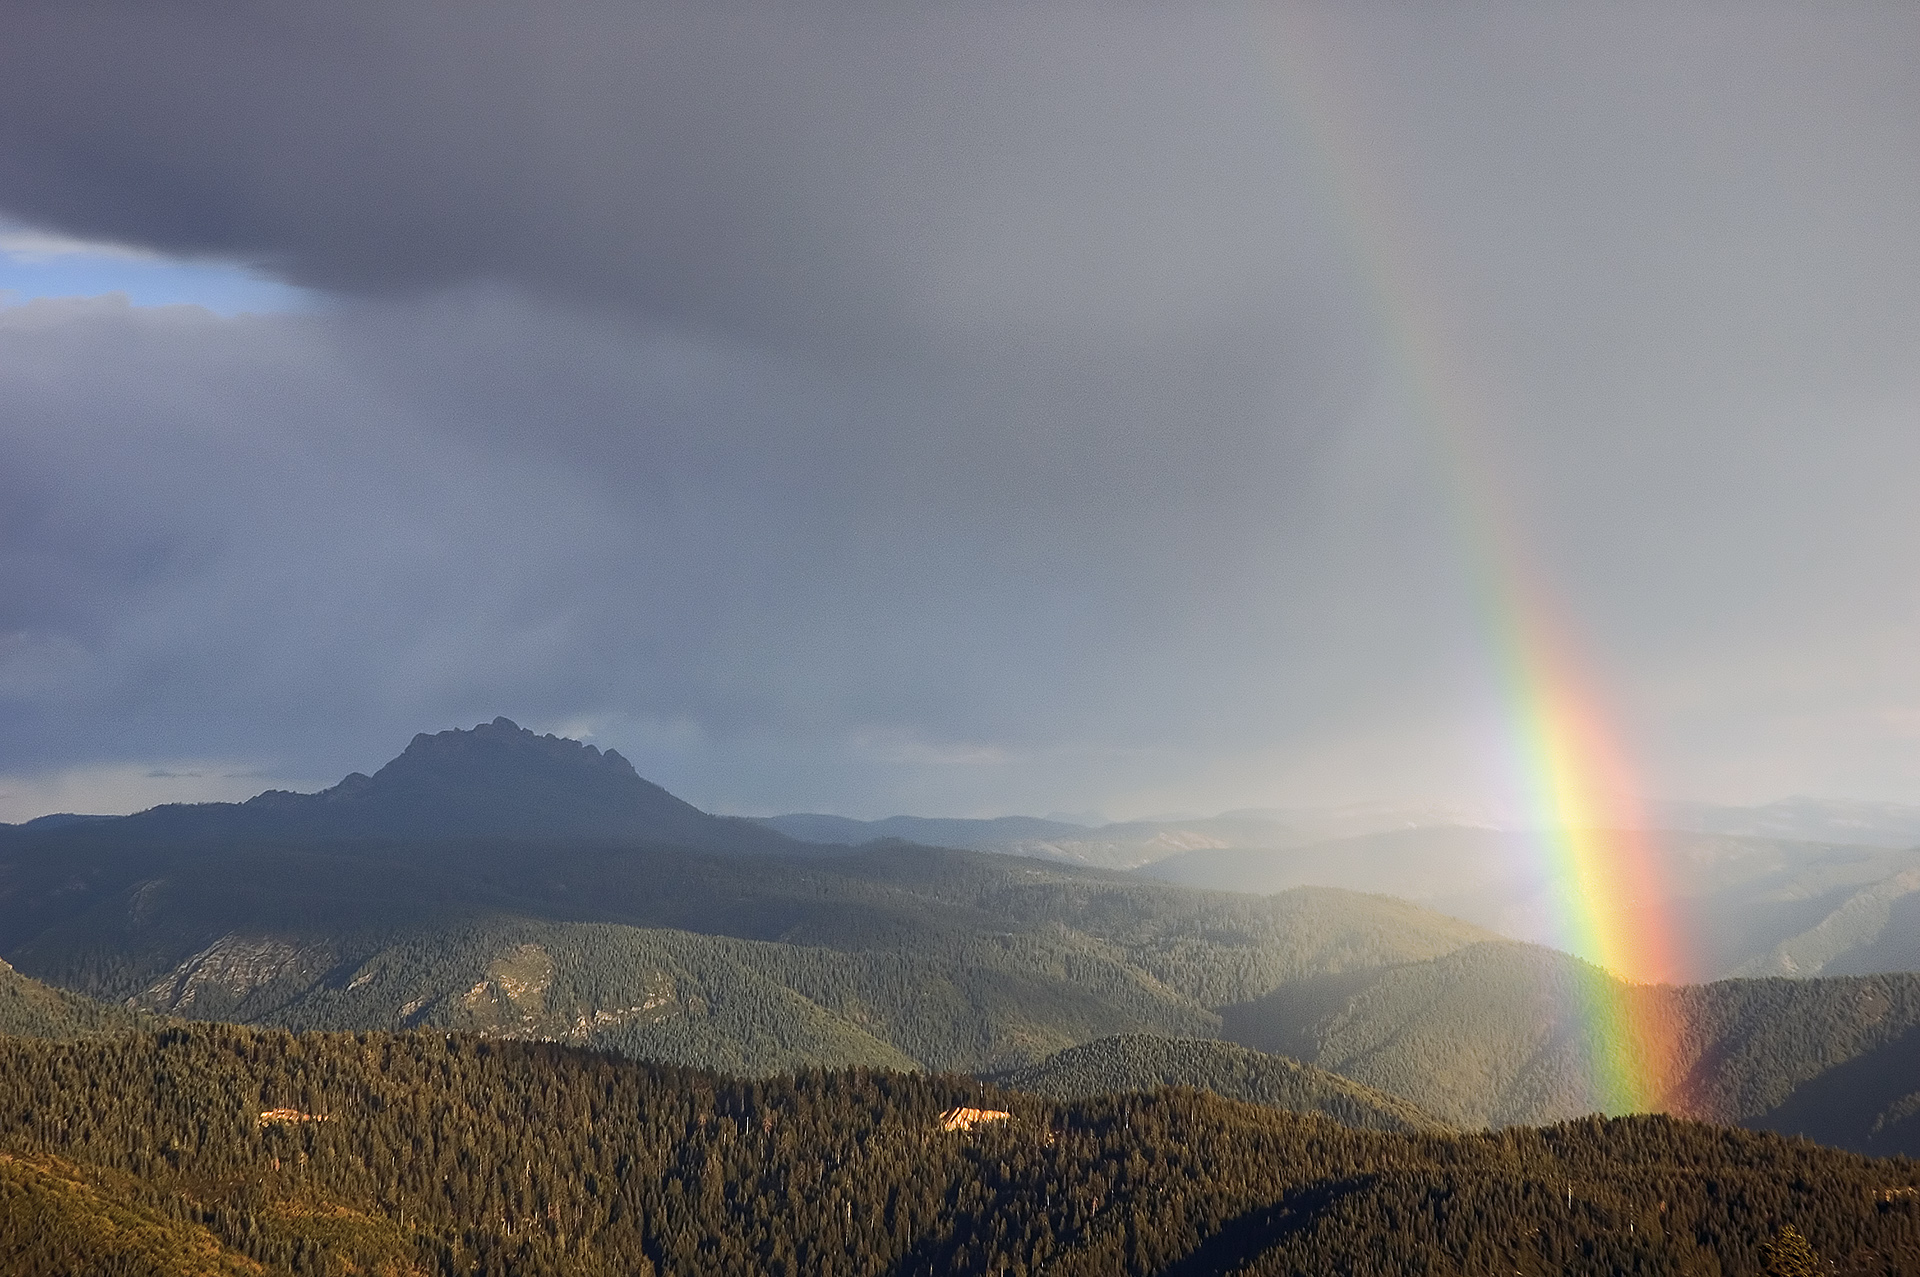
{"x":962,"y":409}
{"x":227,"y":527}
{"x":874,"y":178}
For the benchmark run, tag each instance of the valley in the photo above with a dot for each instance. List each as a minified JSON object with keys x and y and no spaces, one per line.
{"x":629,"y":929}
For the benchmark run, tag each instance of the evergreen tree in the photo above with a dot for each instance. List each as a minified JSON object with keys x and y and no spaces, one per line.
{"x":1789,"y":1255}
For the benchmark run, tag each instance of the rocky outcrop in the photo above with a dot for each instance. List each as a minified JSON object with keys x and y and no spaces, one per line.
{"x":229,"y":969}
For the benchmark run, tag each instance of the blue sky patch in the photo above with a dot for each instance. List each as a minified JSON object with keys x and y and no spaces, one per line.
{"x":34,"y":264}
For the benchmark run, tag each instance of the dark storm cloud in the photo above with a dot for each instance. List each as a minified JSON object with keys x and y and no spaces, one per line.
{"x":951,"y":360}
{"x":950,"y":408}
{"x":849,"y":176}
{"x":357,"y":523}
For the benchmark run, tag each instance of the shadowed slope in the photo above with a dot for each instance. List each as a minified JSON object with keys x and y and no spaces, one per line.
{"x":1870,"y":1104}
{"x":497,"y":780}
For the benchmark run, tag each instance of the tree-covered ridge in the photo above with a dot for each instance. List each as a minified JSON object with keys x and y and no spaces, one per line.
{"x":1489,"y":1034}
{"x":1216,"y":947}
{"x":29,"y":1008}
{"x":893,"y":955}
{"x":955,"y":1002}
{"x":455,"y":1154}
{"x":57,"y":1218}
{"x":1140,"y":1062}
{"x":1500,"y":1034}
{"x":1870,"y":1104}
{"x":109,"y":918}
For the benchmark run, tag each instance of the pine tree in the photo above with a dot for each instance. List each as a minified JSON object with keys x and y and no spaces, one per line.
{"x":1789,"y":1255}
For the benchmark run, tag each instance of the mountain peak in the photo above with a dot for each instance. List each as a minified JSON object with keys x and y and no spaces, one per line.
{"x":499,"y":779}
{"x":503,"y":738}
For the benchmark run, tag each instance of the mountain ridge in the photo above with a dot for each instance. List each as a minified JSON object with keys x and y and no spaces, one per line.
{"x":1143,"y":1062}
{"x":1746,"y":903}
{"x":497,"y":881}
{"x":453,"y":1153}
{"x":494,"y":780}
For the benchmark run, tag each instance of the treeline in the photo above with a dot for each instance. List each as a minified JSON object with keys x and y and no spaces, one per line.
{"x":456,"y":1154}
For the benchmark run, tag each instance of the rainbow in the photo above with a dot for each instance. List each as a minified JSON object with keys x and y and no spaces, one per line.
{"x":1608,"y":888}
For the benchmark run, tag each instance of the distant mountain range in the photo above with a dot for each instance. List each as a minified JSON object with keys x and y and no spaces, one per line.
{"x":517,"y":885}
{"x":611,"y":914}
{"x":1131,"y":844}
{"x":1816,"y":820}
{"x":1800,"y":887}
{"x":1124,"y":844}
{"x":1741,"y":904}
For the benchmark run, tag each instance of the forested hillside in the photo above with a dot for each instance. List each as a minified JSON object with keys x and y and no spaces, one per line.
{"x":439,"y":1154}
{"x":29,"y":1008}
{"x":1870,"y":1103}
{"x":893,"y":955}
{"x":1876,"y":928}
{"x":56,"y":1218}
{"x":1499,"y":1034}
{"x":960,"y":1002}
{"x":1139,"y":1062}
{"x":953,"y":996}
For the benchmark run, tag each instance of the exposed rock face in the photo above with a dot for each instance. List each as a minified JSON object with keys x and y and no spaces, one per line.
{"x":513,"y":1000}
{"x":514,"y":992}
{"x":661,"y":1002}
{"x":289,"y":1117}
{"x":144,"y":898}
{"x":965,"y":1119}
{"x":231,"y":968}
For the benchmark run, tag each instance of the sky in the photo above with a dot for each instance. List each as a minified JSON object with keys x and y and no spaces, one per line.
{"x":959,"y":409}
